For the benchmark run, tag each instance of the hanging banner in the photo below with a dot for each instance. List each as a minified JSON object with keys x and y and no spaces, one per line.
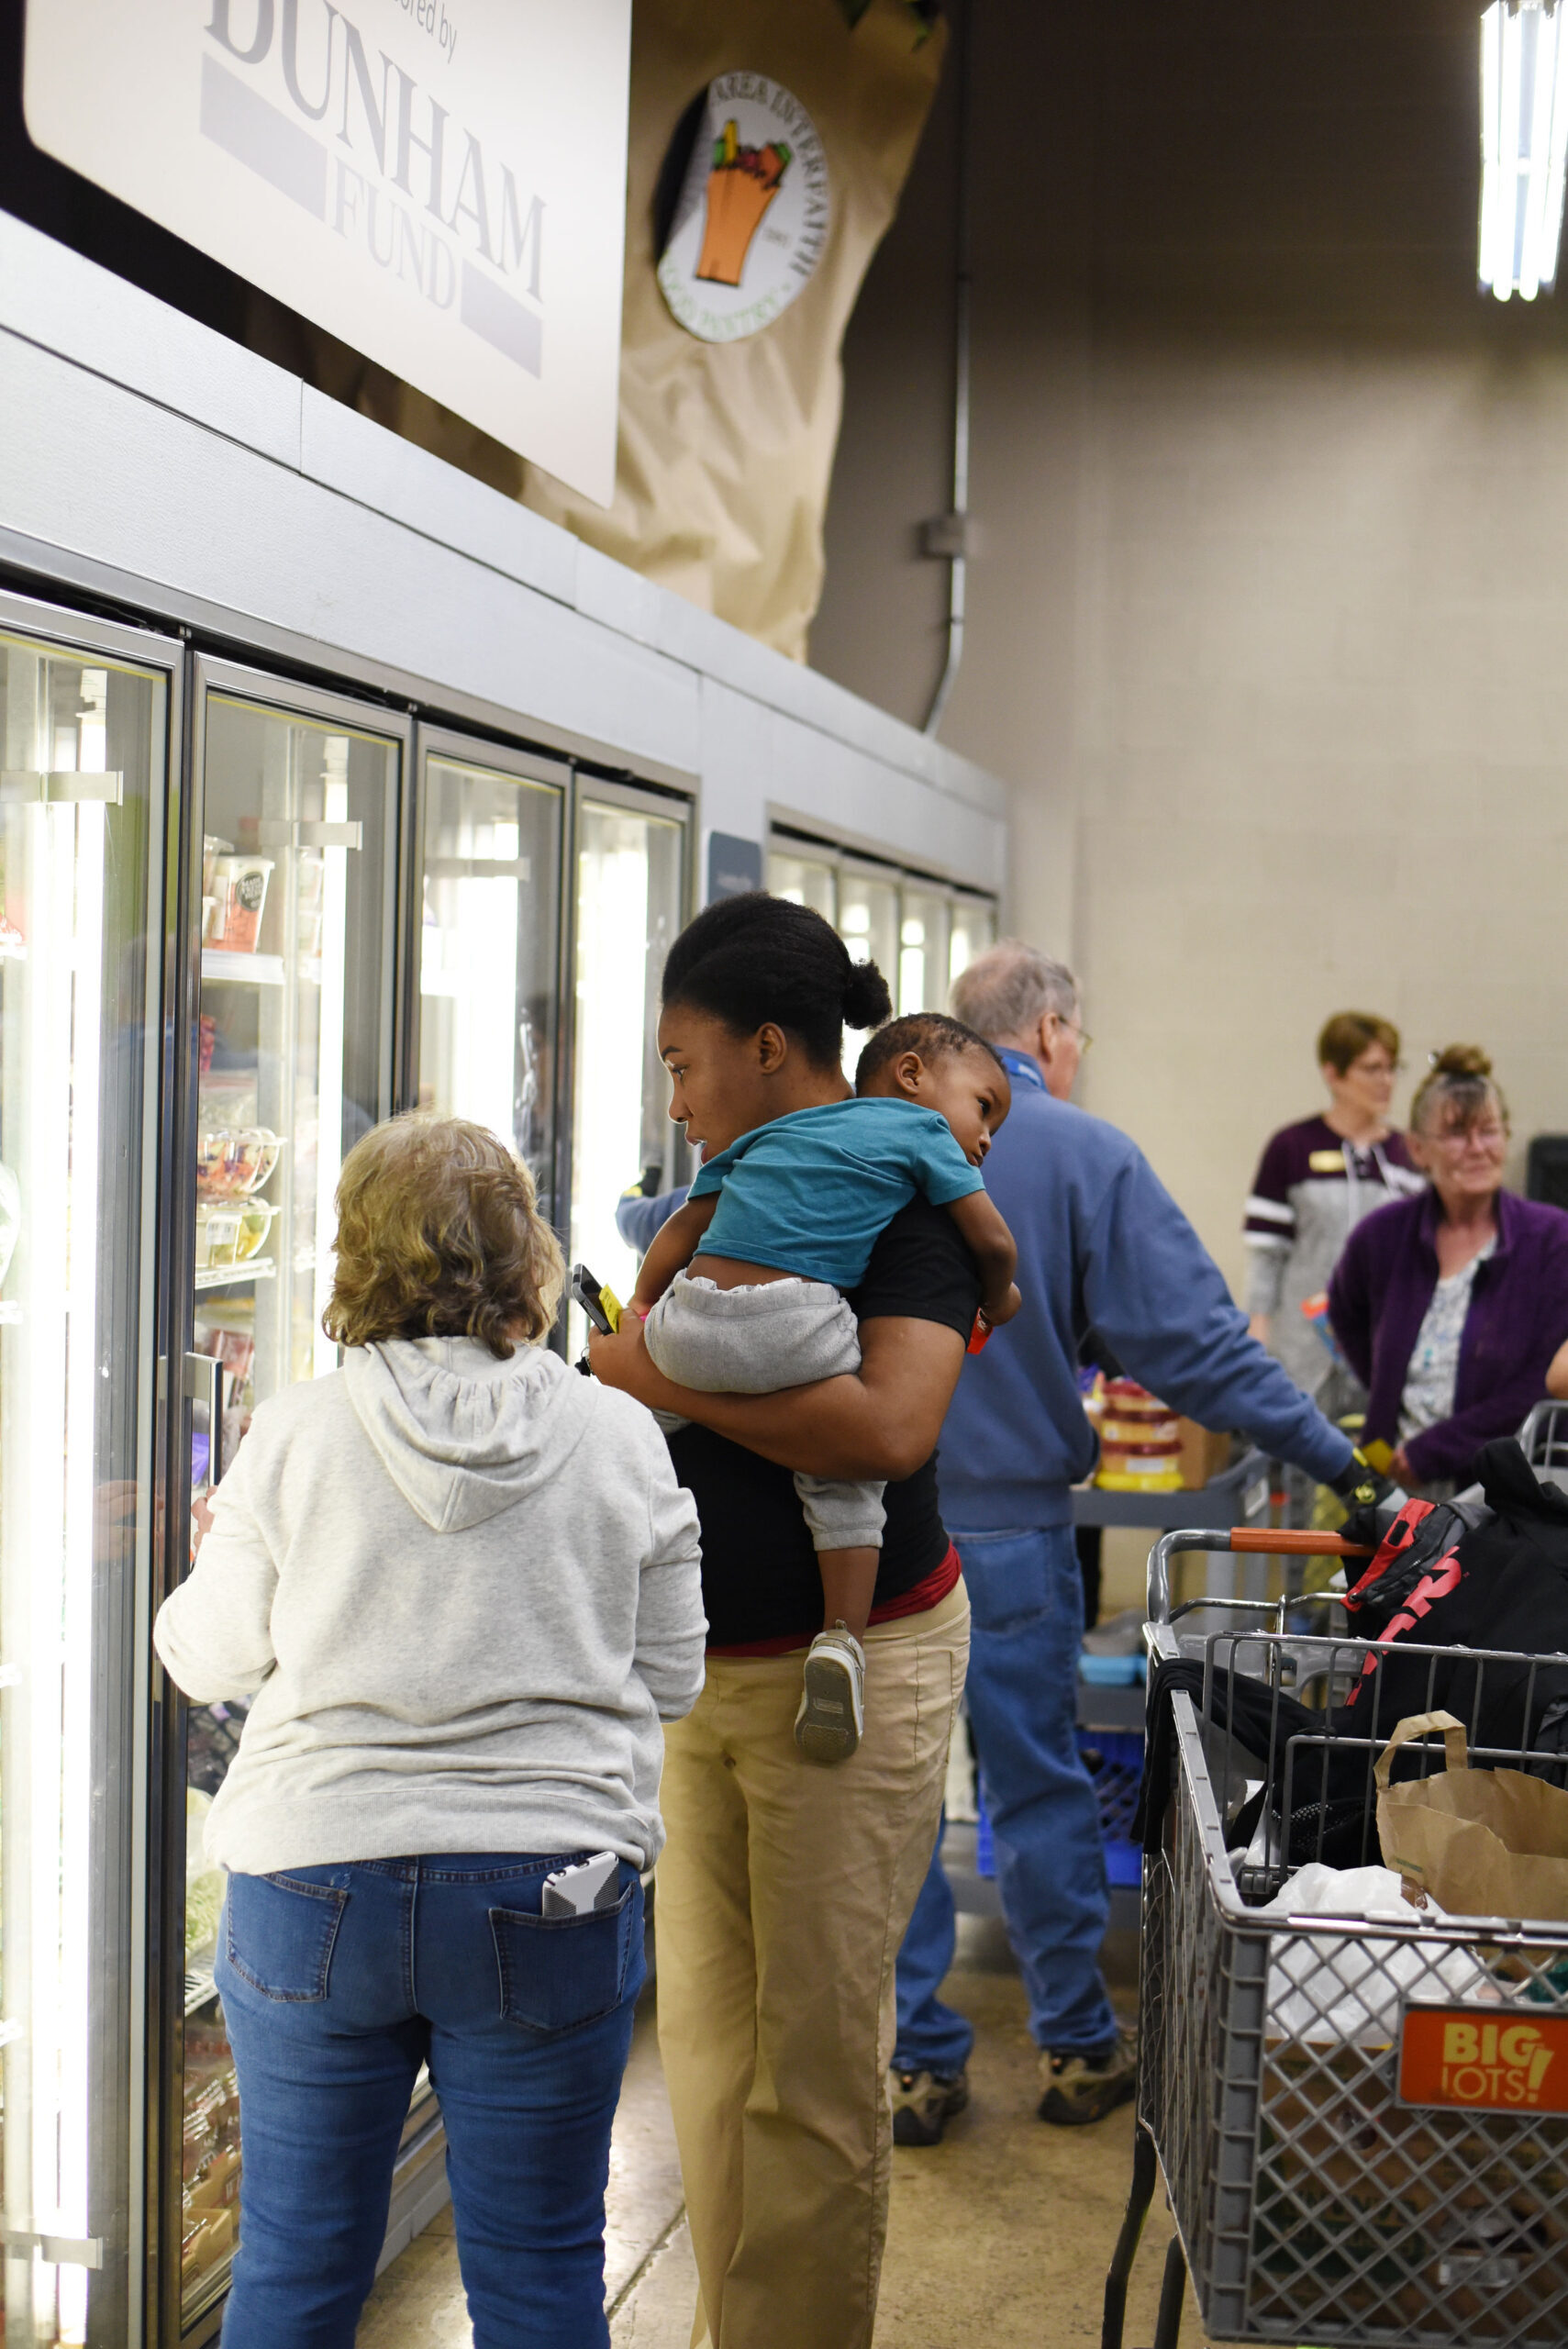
{"x":736,"y":305}
{"x":440,"y":184}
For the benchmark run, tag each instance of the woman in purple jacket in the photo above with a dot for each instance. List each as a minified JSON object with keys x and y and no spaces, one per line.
{"x":1449,"y":1305}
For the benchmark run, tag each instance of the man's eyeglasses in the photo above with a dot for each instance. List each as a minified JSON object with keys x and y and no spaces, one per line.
{"x":1073,"y":1027}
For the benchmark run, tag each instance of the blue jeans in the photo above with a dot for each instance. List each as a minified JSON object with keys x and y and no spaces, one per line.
{"x":1026,"y":1597}
{"x":338,"y":1983}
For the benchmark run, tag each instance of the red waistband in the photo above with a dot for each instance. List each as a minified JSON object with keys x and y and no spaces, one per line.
{"x":917,"y":1601}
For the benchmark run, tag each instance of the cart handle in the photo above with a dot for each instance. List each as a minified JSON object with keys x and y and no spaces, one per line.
{"x":1259,"y":1540}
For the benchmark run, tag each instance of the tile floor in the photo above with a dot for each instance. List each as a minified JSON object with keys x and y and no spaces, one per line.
{"x":998,"y":2240}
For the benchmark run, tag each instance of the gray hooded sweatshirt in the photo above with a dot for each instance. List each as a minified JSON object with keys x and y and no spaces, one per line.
{"x":463,"y":1593}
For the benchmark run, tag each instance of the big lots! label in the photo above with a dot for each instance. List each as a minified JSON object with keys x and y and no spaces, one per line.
{"x":1486,"y":2060}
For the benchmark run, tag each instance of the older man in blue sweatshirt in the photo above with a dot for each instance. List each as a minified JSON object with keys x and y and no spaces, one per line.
{"x":1102,"y":1245}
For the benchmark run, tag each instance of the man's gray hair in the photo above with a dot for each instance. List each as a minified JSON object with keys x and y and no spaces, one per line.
{"x":1005,"y":991}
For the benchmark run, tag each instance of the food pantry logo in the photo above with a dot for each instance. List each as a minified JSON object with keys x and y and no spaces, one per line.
{"x":751,"y":221}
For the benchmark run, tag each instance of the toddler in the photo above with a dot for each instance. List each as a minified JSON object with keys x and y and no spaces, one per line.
{"x":741,"y":1292}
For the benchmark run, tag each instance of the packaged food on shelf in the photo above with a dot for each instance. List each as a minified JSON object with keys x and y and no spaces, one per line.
{"x":217,"y":1234}
{"x":255,"y":1225}
{"x":212,"y":849}
{"x":235,"y":1349}
{"x":206,"y":2243}
{"x":1140,"y":1440}
{"x":233,"y":1161}
{"x":204,"y":1884}
{"x":1204,"y":1453}
{"x":239,"y":885}
{"x":228,"y":1094}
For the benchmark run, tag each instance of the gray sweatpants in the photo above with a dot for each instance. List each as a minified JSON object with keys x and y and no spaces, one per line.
{"x":754,"y":1341}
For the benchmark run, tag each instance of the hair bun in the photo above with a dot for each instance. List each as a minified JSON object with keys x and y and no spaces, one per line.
{"x":866,"y":1000}
{"x":1462,"y":1060}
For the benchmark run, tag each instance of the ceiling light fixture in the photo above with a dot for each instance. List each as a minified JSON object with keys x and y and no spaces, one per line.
{"x":1524,"y":144}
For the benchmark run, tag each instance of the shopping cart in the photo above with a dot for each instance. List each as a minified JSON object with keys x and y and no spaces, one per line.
{"x":1312,"y":2203}
{"x":1544,"y":1437}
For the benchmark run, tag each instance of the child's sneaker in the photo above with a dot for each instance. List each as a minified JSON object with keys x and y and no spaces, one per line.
{"x":832,"y":1708}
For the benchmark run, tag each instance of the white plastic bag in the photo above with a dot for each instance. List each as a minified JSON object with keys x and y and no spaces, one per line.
{"x":1347,"y":1987}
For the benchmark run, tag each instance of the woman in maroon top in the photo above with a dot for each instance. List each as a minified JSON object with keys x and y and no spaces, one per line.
{"x":1316,"y":1181}
{"x":1450,"y":1306}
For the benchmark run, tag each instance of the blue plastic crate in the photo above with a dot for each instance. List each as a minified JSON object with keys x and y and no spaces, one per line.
{"x":1114,"y":1759}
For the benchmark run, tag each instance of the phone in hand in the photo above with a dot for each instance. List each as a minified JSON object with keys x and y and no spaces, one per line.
{"x":600,"y":1304}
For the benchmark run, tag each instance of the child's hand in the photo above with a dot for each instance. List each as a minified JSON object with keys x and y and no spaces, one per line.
{"x":1002,"y":1308}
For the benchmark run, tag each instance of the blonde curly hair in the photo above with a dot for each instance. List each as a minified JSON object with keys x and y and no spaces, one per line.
{"x":438,"y":1236}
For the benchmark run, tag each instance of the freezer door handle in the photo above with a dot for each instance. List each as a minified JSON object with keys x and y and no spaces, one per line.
{"x":294,"y":831}
{"x":26,"y":785}
{"x":55,"y":2251}
{"x":203,"y":1383}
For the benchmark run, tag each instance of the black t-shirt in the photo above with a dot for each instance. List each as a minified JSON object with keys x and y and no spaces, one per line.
{"x":759,"y":1570}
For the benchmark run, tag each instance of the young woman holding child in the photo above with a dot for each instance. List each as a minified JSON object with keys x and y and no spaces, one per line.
{"x":784,"y":1890}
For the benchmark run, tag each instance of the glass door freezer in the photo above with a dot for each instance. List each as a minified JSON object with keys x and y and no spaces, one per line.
{"x":491,"y":827}
{"x":291,"y":914}
{"x":85,"y":726}
{"x":631,"y":894}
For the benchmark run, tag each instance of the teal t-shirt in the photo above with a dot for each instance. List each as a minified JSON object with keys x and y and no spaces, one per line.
{"x":813,"y":1192}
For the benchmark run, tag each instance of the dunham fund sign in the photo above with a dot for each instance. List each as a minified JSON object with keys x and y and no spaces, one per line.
{"x":440,"y":184}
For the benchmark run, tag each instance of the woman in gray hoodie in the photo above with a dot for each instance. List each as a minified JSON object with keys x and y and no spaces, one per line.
{"x":461,"y":1586}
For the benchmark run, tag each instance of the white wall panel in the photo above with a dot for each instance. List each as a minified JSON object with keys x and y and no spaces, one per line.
{"x":205,"y":477}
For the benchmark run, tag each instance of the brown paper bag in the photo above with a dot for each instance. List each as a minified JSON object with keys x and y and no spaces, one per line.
{"x":1482,"y":1842}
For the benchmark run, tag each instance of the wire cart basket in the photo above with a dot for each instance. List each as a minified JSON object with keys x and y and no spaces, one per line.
{"x":1544,"y":1439}
{"x":1315,"y":2199}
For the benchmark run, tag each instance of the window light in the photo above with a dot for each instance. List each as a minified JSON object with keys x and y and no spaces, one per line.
{"x":1524,"y":144}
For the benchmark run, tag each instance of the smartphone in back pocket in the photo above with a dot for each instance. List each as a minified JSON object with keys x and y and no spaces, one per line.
{"x":578,"y":1891}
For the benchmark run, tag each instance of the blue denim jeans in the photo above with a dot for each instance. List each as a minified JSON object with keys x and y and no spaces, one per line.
{"x":1026,"y":1594}
{"x":338,"y":1983}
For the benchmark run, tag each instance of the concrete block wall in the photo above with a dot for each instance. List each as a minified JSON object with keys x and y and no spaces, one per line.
{"x":1322,"y":740}
{"x":1272,"y":576}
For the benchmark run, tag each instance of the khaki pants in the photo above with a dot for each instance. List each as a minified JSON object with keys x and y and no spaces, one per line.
{"x":783,"y":1896}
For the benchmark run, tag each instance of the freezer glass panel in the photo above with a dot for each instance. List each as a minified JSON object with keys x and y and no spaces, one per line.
{"x":630,"y":897}
{"x":293,"y":1053}
{"x":805,"y":881}
{"x":489,"y":949}
{"x":974,"y":929}
{"x":868,"y":924}
{"x":83,"y":747}
{"x":923,"y":953}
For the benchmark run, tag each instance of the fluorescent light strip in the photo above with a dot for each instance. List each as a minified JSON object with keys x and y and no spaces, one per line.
{"x":1524,"y":145}
{"x":1491,"y":110}
{"x":1542,"y":76}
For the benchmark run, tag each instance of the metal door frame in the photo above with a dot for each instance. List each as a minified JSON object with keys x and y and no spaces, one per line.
{"x":122,"y":2316}
{"x":518,"y":764}
{"x":642,"y":800}
{"x":285,"y":697}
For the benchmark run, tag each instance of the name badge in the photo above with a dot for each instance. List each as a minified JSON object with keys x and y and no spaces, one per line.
{"x":1326,"y":1162}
